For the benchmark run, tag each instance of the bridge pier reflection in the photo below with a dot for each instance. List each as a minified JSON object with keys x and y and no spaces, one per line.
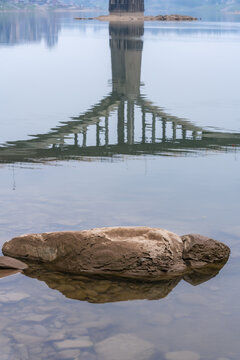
{"x":123,"y":122}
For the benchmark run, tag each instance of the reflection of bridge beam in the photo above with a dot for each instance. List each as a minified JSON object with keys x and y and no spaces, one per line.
{"x":175,"y":148}
{"x":162,"y":133}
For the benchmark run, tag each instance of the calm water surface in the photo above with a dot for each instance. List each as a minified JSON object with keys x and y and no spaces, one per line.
{"x":106,"y":125}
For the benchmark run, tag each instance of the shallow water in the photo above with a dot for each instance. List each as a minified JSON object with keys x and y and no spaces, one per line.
{"x":105,"y":126}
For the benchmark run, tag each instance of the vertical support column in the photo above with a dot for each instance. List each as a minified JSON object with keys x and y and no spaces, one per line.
{"x":163,"y":130}
{"x":76,"y":139}
{"x":120,"y":129}
{"x":106,"y":131}
{"x":143,"y":126}
{"x":98,"y":134}
{"x":61,"y":141}
{"x":84,"y":143}
{"x":153,"y":128}
{"x":184,"y":132}
{"x":174,"y":131}
{"x":130,"y":122}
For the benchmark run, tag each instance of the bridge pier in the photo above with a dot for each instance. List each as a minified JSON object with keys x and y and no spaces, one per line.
{"x":118,"y":7}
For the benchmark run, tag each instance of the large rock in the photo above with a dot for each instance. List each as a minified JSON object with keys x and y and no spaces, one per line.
{"x":139,"y":252}
{"x":133,"y":252}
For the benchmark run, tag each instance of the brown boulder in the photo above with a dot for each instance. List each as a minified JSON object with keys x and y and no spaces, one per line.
{"x":131,"y":252}
{"x":135,"y":252}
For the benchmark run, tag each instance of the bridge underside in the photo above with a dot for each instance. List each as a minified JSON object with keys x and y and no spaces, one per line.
{"x":126,"y":6}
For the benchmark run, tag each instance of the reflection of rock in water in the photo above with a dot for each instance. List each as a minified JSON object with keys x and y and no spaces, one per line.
{"x":8,"y":272}
{"x":104,"y":290}
{"x":202,"y":275}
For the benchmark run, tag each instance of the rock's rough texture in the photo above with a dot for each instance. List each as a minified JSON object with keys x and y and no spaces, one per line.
{"x":200,"y":251}
{"x":132,"y":252}
{"x":10,"y":263}
{"x":137,"y":252}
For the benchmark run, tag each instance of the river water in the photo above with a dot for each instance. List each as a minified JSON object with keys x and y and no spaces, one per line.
{"x":109,"y":125}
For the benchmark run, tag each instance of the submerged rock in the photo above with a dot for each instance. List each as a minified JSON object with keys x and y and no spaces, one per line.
{"x":132,"y":252}
{"x":124,"y":346}
{"x":182,"y":355}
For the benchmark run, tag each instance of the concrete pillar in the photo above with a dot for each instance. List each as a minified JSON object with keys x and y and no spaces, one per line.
{"x":143,"y":126}
{"x":130,"y":122}
{"x":120,"y":128}
{"x":174,"y":131}
{"x":106,"y":131}
{"x":126,"y":6}
{"x":163,"y":130}
{"x":153,"y":128}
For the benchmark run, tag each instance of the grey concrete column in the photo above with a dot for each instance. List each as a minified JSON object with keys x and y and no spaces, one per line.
{"x":130,"y":122}
{"x":120,"y":128}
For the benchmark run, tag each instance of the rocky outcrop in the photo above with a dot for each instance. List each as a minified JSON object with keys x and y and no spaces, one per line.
{"x":126,"y":17}
{"x":175,"y":17}
{"x":131,"y":252}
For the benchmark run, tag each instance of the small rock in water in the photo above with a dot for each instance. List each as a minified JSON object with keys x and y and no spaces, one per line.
{"x":36,"y":317}
{"x":182,"y":355}
{"x":13,"y":297}
{"x":124,"y":346}
{"x":68,"y":354}
{"x":7,"y":262}
{"x":82,"y":342}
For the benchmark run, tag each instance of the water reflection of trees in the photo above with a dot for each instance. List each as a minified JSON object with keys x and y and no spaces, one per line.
{"x":140,"y":126}
{"x":19,"y":28}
